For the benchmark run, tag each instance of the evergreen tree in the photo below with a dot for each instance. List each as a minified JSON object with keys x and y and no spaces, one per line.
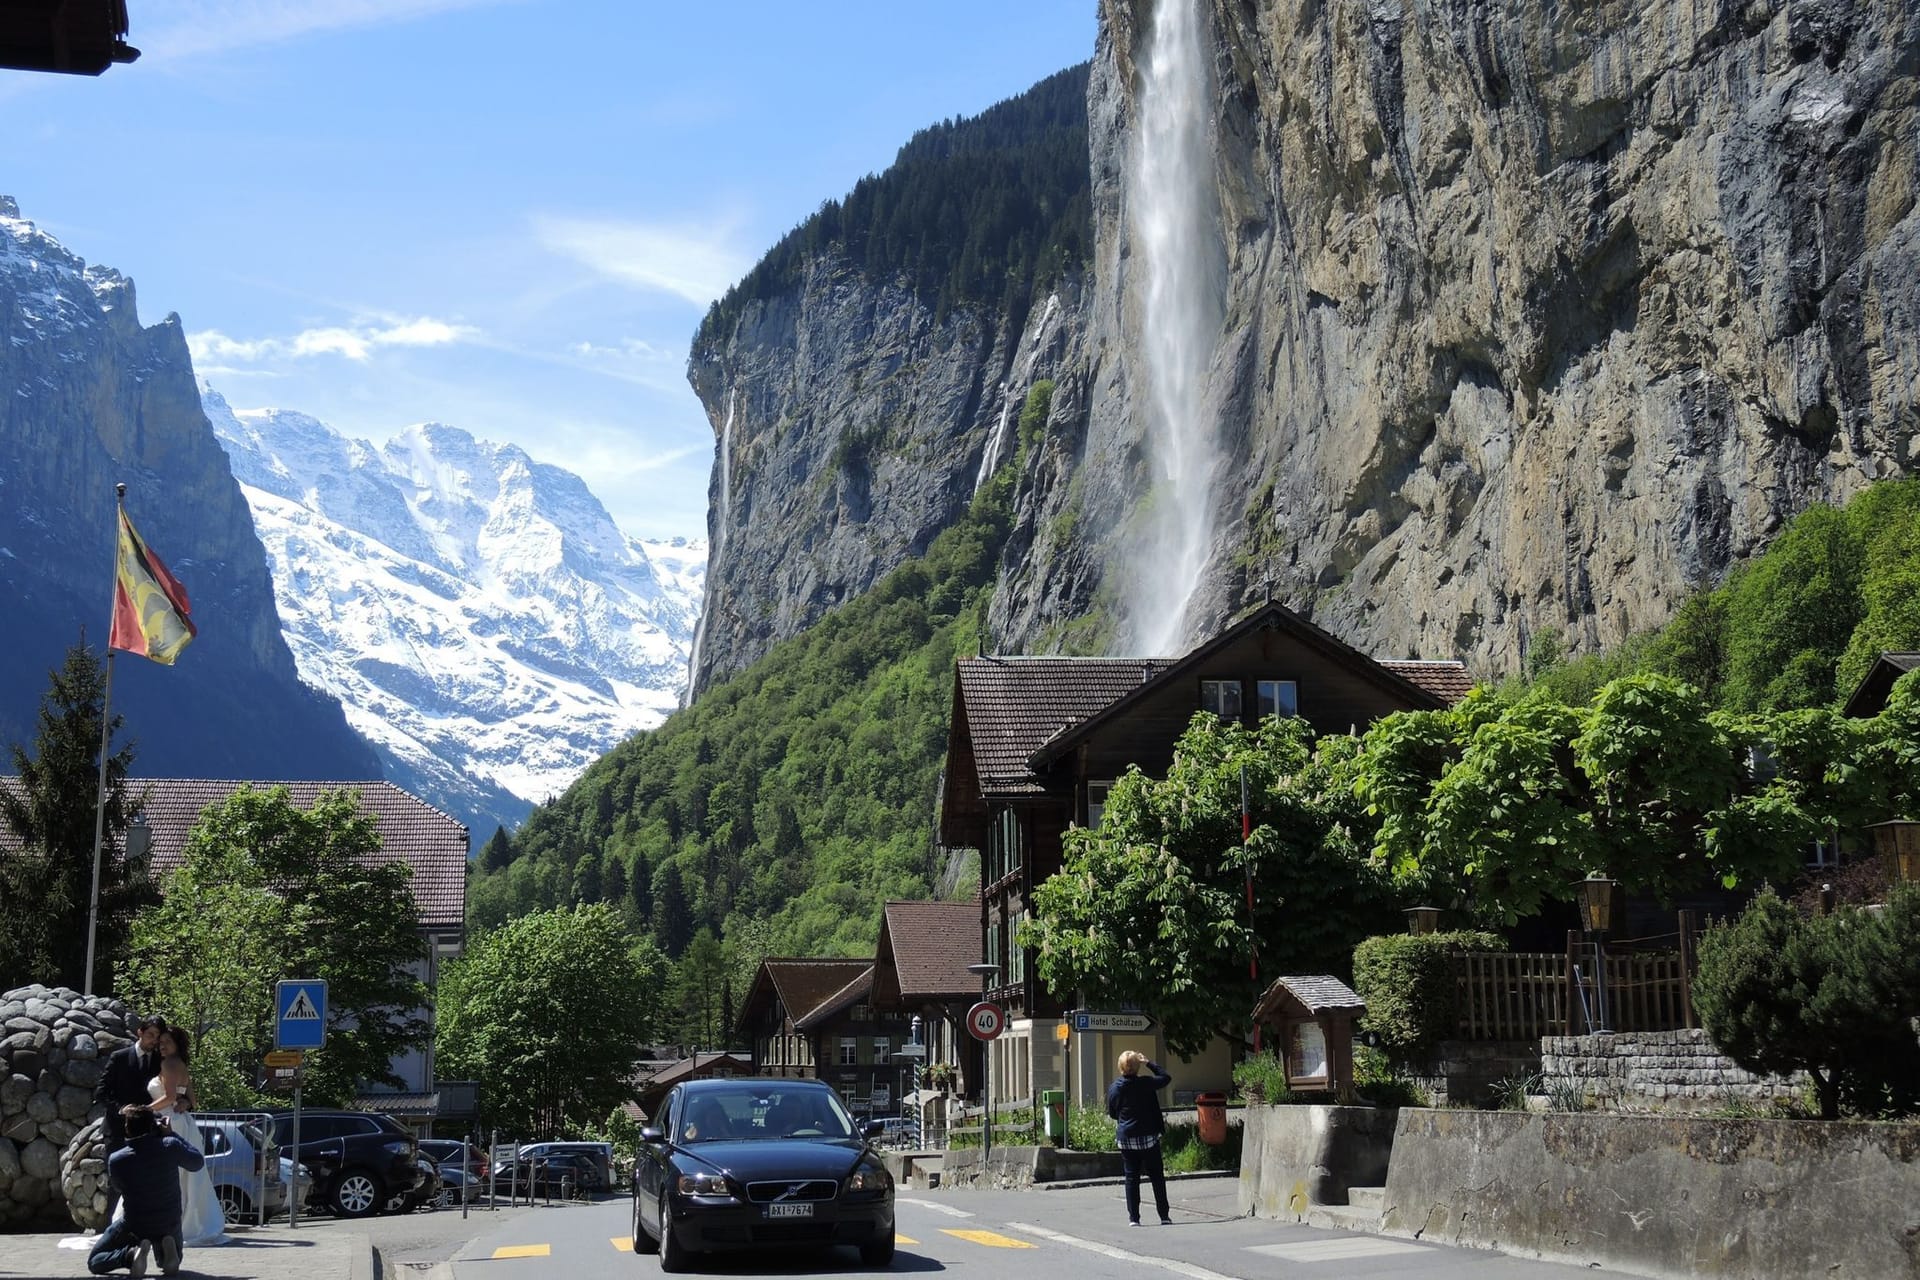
{"x":498,"y":852}
{"x":672,"y":912}
{"x":46,"y":887}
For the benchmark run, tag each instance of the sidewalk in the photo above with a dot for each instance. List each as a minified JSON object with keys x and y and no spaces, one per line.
{"x":256,"y":1253}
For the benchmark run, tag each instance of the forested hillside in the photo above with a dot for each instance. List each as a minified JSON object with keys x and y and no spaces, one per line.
{"x":799,"y":794}
{"x":988,"y":209}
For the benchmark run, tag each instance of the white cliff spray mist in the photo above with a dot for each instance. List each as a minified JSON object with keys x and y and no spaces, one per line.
{"x":1176,"y":235}
{"x":718,"y":540}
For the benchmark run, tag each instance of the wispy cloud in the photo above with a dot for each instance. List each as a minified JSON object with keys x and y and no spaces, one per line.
{"x":355,"y":343}
{"x":171,"y":29}
{"x":694,"y":263}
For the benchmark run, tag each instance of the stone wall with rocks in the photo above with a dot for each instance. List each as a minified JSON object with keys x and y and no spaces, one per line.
{"x":1669,"y":1070}
{"x":54,"y":1045}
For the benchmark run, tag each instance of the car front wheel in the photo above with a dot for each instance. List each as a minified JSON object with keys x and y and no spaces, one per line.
{"x":642,"y":1241}
{"x":358,"y":1194}
{"x":878,"y":1253}
{"x":673,"y":1256}
{"x":236,"y":1206}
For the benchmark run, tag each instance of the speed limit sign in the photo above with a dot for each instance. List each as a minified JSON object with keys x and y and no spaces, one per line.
{"x":986,"y":1021}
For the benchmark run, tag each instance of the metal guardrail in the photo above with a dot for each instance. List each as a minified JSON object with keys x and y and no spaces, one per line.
{"x":266,"y":1166}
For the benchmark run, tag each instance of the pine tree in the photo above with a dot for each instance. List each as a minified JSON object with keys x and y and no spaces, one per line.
{"x":47,"y":887}
{"x":499,"y":851}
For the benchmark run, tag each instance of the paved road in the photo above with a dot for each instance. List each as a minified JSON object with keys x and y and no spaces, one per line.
{"x":1022,"y":1236}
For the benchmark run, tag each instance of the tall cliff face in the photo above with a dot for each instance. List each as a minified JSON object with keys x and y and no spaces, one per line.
{"x":867,"y":377}
{"x":1533,"y":316}
{"x":1444,"y":323}
{"x":93,"y":398}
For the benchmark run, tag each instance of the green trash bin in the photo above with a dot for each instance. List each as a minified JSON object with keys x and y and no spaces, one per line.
{"x":1053,"y":1115}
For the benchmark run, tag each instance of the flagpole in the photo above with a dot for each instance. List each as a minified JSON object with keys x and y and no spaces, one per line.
{"x":106,"y":732}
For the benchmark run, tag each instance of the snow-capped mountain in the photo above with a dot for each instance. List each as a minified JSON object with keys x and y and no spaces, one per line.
{"x":483,"y":621}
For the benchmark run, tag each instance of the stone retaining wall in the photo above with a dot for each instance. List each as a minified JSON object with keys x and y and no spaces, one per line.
{"x":1677,"y":1196}
{"x":1294,"y":1157}
{"x":1668,"y":1070}
{"x":1464,"y":1072}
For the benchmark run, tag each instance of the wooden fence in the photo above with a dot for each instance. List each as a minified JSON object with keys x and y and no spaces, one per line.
{"x":1525,"y":995}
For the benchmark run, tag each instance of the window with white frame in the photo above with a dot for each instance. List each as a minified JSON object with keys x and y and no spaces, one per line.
{"x":1222,"y":697}
{"x":849,"y":1051}
{"x":882,"y":1049}
{"x":1016,"y":954}
{"x":1003,"y":845}
{"x":1277,"y":698}
{"x":993,"y":951}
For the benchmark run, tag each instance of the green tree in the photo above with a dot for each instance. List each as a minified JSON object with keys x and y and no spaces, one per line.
{"x":548,"y":1013}
{"x":1791,"y":613}
{"x":338,"y":912}
{"x":46,"y":885}
{"x":498,"y":851}
{"x":1834,"y":996}
{"x":1150,"y":908}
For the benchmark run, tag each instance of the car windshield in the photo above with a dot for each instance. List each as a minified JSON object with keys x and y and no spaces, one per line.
{"x":751,"y":1113}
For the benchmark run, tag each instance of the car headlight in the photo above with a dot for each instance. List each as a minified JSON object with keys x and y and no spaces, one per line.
{"x":703,"y":1184}
{"x":868,"y":1178}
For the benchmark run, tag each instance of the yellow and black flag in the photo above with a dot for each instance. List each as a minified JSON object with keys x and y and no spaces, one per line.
{"x":149,"y":604}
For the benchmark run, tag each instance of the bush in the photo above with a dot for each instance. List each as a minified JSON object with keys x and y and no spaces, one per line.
{"x":1377,"y":1083}
{"x":1835,"y":996}
{"x":1407,"y":982}
{"x":1261,"y":1077}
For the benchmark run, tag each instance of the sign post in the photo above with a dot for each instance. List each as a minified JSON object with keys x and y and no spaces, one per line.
{"x":299,"y":1023}
{"x":985,"y":1022}
{"x":1089,"y":1020}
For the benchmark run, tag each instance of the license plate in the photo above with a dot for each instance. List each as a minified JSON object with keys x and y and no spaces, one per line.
{"x":789,"y":1211}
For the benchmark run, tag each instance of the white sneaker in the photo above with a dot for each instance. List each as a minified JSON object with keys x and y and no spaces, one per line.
{"x":138,"y":1267}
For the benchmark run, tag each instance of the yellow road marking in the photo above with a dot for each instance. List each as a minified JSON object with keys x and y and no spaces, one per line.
{"x":524,"y":1251}
{"x":992,"y":1239}
{"x":900,"y":1239}
{"x":623,"y":1243}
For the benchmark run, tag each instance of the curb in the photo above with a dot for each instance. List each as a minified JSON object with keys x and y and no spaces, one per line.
{"x":1078,"y":1183}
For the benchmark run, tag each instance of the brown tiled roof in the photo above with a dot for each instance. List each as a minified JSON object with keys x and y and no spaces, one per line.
{"x":1014,"y":705}
{"x":801,"y":984}
{"x":411,"y":830}
{"x":1316,"y":992}
{"x":932,"y":945}
{"x":1447,"y":681}
{"x":860,"y":988}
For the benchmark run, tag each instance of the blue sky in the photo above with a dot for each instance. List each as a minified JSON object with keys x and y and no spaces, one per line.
{"x":505,"y":215}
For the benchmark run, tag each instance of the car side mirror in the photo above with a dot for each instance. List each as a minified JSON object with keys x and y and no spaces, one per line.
{"x":652,"y":1136}
{"x":873,"y":1128}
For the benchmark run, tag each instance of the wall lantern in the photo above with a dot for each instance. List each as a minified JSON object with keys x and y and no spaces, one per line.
{"x":1899,"y":840}
{"x":1596,"y":902}
{"x":1423,"y":920}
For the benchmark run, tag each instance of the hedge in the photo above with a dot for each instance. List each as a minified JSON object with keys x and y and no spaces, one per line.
{"x":1407,"y":982}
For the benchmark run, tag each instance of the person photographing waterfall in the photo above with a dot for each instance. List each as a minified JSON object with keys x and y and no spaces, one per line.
{"x":1133,"y":1100}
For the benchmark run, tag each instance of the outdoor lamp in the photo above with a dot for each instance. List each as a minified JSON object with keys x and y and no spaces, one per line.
{"x":1899,"y":840}
{"x":1596,"y":902}
{"x":1423,"y":920}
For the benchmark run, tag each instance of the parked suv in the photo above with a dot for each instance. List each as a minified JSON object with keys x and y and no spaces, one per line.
{"x":359,"y":1159}
{"x":599,"y":1156}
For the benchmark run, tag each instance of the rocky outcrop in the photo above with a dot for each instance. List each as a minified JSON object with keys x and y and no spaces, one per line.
{"x":92,"y":399}
{"x":854,"y":423}
{"x":54,"y":1046}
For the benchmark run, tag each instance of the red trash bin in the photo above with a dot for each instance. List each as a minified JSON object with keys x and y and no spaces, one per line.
{"x":1212,"y":1108}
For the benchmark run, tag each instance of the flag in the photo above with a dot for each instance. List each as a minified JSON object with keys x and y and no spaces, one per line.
{"x":149,"y":604}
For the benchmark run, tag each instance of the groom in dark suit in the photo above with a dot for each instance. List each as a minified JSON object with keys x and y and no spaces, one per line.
{"x":124,"y":1083}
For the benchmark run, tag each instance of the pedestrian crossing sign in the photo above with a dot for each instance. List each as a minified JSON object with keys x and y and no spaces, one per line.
{"x":300,"y":1014}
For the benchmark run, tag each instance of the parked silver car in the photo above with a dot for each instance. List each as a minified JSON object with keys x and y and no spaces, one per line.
{"x":246,"y":1168}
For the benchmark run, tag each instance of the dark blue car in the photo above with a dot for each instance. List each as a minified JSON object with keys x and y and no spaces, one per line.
{"x":759,"y":1164}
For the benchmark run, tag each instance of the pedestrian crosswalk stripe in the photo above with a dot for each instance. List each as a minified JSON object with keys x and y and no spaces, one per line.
{"x":936,"y":1206}
{"x":1337,"y":1250}
{"x":623,"y":1243}
{"x":900,"y":1239}
{"x":523,"y":1251}
{"x":1179,"y":1268}
{"x":990,"y":1238}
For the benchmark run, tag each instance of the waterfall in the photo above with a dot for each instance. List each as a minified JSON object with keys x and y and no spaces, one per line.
{"x":996,"y":442}
{"x":1176,"y":232}
{"x":717,"y":540}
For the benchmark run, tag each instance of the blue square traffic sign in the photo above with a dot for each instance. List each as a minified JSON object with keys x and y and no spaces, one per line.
{"x":300,"y":1014}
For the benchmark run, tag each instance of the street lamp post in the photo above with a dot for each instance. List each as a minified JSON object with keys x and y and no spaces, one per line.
{"x":1595,"y":894}
{"x":985,"y":970}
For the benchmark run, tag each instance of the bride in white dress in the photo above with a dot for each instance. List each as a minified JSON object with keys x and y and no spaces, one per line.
{"x":201,"y":1220}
